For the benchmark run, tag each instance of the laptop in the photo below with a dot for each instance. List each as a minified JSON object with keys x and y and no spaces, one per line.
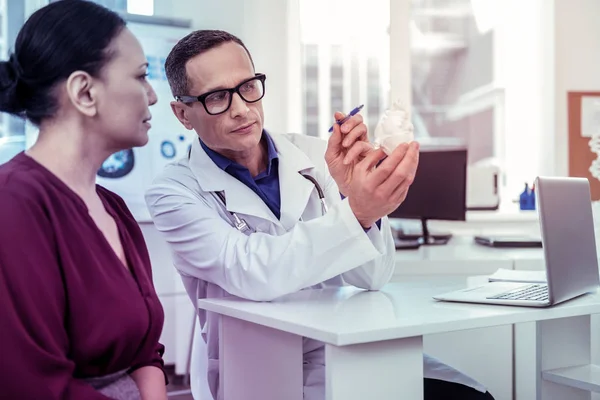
{"x":569,"y":245}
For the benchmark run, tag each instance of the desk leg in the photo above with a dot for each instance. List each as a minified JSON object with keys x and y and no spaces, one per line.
{"x":257,"y":362}
{"x":563,"y":342}
{"x":525,"y":361}
{"x":595,"y":339}
{"x":388,"y":370}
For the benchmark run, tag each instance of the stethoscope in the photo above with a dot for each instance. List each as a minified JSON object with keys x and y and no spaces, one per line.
{"x":242,"y":226}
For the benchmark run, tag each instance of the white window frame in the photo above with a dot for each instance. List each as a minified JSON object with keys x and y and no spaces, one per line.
{"x":3,"y":56}
{"x":141,"y":7}
{"x":400,"y":65}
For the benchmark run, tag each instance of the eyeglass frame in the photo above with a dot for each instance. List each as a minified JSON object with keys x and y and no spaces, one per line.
{"x":201,"y":99}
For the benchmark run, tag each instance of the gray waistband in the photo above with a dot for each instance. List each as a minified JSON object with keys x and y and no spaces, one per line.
{"x":105,"y":380}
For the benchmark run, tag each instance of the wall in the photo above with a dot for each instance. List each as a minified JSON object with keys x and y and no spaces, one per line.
{"x":577,"y":60}
{"x":547,"y":48}
{"x":522,"y":70}
{"x":270,"y":30}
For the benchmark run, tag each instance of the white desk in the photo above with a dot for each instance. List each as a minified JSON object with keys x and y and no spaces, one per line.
{"x":374,"y":341}
{"x":459,"y":259}
{"x":456,"y":261}
{"x":463,"y":257}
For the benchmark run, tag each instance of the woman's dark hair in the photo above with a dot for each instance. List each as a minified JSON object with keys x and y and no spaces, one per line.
{"x":56,"y":40}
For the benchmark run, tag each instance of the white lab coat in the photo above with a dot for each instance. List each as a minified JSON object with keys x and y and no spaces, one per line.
{"x":302,"y":249}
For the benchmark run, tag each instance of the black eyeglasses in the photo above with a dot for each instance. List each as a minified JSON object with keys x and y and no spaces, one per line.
{"x":218,"y":101}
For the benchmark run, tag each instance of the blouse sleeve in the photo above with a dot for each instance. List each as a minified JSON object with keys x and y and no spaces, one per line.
{"x":32,"y":294}
{"x":151,"y":358}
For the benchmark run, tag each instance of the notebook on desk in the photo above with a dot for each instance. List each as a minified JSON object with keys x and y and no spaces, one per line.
{"x":567,"y":231}
{"x":508,"y":241}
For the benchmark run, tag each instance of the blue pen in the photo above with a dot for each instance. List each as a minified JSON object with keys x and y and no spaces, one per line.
{"x":347,"y":117}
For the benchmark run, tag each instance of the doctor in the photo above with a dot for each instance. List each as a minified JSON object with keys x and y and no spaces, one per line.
{"x":259,"y":216}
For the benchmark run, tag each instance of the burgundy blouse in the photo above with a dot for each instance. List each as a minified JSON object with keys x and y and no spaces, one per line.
{"x":68,"y":308}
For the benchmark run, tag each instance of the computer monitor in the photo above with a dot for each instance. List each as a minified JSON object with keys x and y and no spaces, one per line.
{"x":438,"y":191}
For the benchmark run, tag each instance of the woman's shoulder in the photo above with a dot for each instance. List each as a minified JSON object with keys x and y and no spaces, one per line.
{"x":25,"y":197}
{"x":109,"y":195}
{"x":19,"y":179}
{"x":115,"y":201}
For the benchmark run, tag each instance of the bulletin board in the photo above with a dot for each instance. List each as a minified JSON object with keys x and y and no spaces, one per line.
{"x":580,"y":154}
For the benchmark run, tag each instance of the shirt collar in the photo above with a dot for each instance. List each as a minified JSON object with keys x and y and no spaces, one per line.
{"x":223,"y":162}
{"x":220,"y":160}
{"x":271,"y":151}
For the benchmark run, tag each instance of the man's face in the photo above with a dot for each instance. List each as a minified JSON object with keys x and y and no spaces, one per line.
{"x":237,"y":130}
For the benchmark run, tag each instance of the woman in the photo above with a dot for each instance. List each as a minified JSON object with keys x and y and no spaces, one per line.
{"x":80,"y":318}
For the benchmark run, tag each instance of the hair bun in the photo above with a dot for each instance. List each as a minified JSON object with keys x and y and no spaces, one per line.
{"x":10,"y":79}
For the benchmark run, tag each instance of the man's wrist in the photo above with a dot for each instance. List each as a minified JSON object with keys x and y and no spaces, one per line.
{"x":365,"y":221}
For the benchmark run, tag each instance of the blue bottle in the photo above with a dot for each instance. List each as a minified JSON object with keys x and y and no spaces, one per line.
{"x":527,"y":199}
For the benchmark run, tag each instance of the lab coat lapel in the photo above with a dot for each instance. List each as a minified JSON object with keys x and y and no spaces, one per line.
{"x":239,"y":197}
{"x":295,"y":190}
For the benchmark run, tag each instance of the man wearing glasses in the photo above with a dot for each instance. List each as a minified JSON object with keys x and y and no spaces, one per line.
{"x":260,"y":215}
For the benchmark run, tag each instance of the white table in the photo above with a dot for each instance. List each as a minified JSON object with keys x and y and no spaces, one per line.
{"x":456,"y":261}
{"x":374,"y":341}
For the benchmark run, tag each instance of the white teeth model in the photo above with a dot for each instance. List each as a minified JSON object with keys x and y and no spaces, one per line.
{"x":393,"y":128}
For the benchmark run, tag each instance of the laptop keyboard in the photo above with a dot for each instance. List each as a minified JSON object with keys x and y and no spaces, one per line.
{"x":531,"y":292}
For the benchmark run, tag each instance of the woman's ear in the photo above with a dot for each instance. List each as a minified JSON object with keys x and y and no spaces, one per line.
{"x":82,"y":93}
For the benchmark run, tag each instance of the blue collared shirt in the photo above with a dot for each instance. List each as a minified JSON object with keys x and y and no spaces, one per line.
{"x":265,"y":184}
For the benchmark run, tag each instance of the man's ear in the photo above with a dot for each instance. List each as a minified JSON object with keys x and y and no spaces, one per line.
{"x":82,"y":93}
{"x":180,"y":110}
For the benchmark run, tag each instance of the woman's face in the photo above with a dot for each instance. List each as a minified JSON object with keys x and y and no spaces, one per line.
{"x":124,"y":95}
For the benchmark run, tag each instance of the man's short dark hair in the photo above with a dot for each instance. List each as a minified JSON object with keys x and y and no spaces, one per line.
{"x":189,"y":47}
